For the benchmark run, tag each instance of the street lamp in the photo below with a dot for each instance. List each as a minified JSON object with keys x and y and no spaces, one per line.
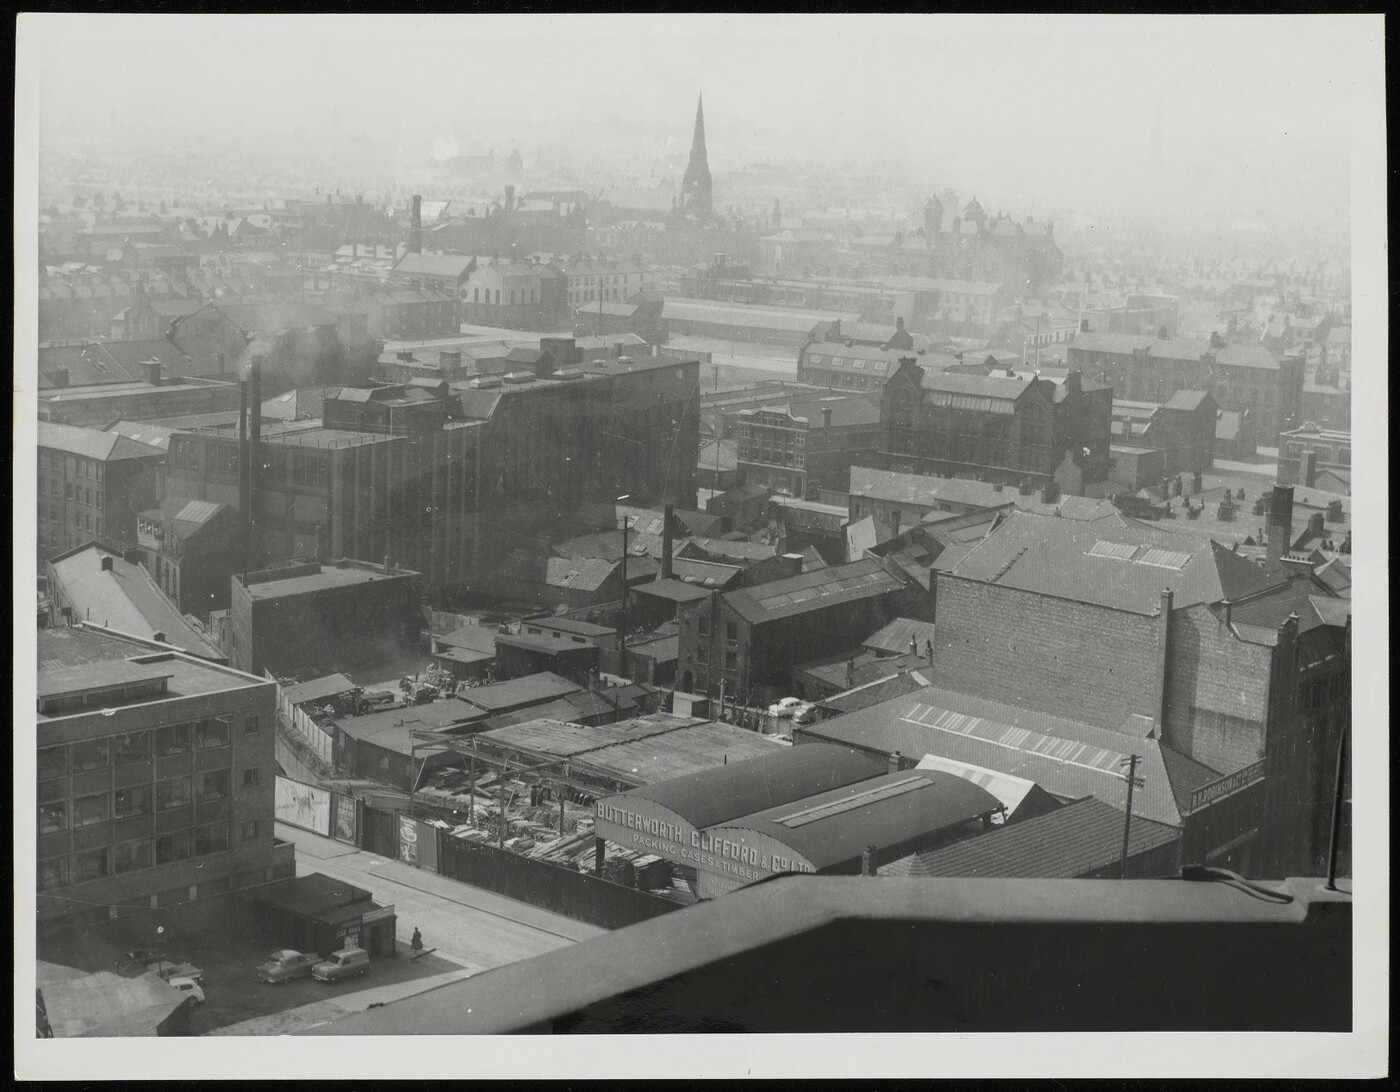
{"x":160,"y":954}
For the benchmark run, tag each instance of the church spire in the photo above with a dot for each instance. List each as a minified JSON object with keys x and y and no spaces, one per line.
{"x":695,"y":187}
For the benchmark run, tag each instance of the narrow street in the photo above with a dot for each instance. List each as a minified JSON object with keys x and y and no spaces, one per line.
{"x":462,"y":922}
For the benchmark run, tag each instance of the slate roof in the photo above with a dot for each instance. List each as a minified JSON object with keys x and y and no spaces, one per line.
{"x":873,"y":693}
{"x":718,"y":455}
{"x":513,"y":693}
{"x":435,"y":265}
{"x":894,"y":638}
{"x":1067,"y":759}
{"x":1076,"y":840}
{"x":124,"y":598}
{"x":328,"y":686}
{"x":805,"y":592}
{"x":1112,"y":561}
{"x":107,"y":447}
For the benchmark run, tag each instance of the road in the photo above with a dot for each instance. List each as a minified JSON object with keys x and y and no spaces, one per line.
{"x":464,"y":923}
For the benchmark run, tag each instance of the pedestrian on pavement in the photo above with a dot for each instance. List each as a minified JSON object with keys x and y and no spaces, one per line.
{"x":417,"y":942}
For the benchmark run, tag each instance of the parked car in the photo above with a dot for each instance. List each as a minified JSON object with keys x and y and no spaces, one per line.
{"x":286,"y":964}
{"x":806,"y":713}
{"x":194,"y":993}
{"x":346,"y":963}
{"x":784,"y":708}
{"x":169,"y":969}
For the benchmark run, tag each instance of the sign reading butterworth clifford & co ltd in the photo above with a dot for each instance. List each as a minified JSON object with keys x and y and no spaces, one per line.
{"x":641,"y":824}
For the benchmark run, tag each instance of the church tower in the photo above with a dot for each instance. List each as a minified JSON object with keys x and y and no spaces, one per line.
{"x":695,"y":187}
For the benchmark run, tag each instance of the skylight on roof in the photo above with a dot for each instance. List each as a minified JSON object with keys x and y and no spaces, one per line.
{"x":1164,"y":559}
{"x":1119,"y":551}
{"x":860,"y":799}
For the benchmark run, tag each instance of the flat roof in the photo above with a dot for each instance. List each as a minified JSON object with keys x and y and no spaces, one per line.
{"x":328,"y":577}
{"x":65,"y":681}
{"x":64,"y":649}
{"x":548,"y":736}
{"x":688,"y":748}
{"x":891,"y":809}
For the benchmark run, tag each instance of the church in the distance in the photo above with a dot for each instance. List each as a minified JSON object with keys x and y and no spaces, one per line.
{"x":695,"y":200}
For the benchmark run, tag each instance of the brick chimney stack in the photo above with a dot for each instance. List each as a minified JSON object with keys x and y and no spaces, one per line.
{"x":667,"y":542}
{"x":1279,"y":530}
{"x":415,"y":233}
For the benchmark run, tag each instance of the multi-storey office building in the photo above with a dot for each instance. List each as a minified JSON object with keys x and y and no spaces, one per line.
{"x":155,"y":777}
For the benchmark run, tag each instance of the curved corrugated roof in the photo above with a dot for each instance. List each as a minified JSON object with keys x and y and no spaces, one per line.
{"x":835,"y":826}
{"x":722,"y":793}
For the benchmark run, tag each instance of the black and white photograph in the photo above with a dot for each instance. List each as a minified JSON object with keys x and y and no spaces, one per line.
{"x":834,"y":529}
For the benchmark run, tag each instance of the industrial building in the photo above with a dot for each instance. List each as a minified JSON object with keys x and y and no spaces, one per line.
{"x":155,"y":777}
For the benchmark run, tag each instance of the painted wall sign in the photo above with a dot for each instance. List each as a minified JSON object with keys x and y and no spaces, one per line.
{"x":727,"y":854}
{"x":1227,"y":785}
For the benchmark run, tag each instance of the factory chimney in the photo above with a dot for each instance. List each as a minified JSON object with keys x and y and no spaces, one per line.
{"x":415,"y":234}
{"x":254,"y":460}
{"x":245,"y":513}
{"x":1279,"y":530}
{"x":666,"y":542}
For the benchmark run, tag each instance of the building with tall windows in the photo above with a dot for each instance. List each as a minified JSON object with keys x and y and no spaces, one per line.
{"x":155,"y":777}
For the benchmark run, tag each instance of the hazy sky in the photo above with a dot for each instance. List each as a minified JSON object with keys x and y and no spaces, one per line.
{"x":1062,"y":107}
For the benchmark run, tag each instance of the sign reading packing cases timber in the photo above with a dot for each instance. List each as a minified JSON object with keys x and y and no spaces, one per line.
{"x":1227,"y":785}
{"x":640,"y":824}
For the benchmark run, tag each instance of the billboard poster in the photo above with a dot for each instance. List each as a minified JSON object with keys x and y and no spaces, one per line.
{"x":408,"y":840}
{"x":345,"y":819}
{"x":302,"y":806}
{"x":427,"y":846}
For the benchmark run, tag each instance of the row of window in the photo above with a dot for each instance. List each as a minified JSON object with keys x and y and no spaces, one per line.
{"x":96,"y":864}
{"x":76,"y":467}
{"x":167,"y":795}
{"x":731,"y":658}
{"x":172,"y":739}
{"x":731,"y":629}
{"x":69,"y":491}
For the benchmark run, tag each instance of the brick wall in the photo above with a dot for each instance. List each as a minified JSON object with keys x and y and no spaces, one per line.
{"x":1086,"y":663}
{"x":1217,"y":692}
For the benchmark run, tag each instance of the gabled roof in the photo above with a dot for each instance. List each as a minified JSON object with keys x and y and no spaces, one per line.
{"x":799,"y":594}
{"x":1076,"y":840}
{"x":1185,"y":400}
{"x":92,"y":444}
{"x":1066,"y":758}
{"x":895,"y":637}
{"x":123,"y":598}
{"x":1112,"y":561}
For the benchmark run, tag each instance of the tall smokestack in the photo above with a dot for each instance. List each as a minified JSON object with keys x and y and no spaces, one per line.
{"x":245,"y":513}
{"x":255,"y":458}
{"x":1279,"y":531}
{"x":415,"y":234}
{"x":666,"y":543}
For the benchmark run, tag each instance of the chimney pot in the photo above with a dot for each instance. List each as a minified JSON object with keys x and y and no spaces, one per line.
{"x":895,"y":761}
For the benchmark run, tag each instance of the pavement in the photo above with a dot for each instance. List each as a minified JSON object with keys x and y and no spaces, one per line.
{"x":473,"y":927}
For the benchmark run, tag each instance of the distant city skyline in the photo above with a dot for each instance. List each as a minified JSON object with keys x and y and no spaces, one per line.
{"x":1247,"y":105}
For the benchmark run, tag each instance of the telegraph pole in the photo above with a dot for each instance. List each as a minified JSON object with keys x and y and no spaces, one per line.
{"x":622,"y":626}
{"x":1133,"y":780}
